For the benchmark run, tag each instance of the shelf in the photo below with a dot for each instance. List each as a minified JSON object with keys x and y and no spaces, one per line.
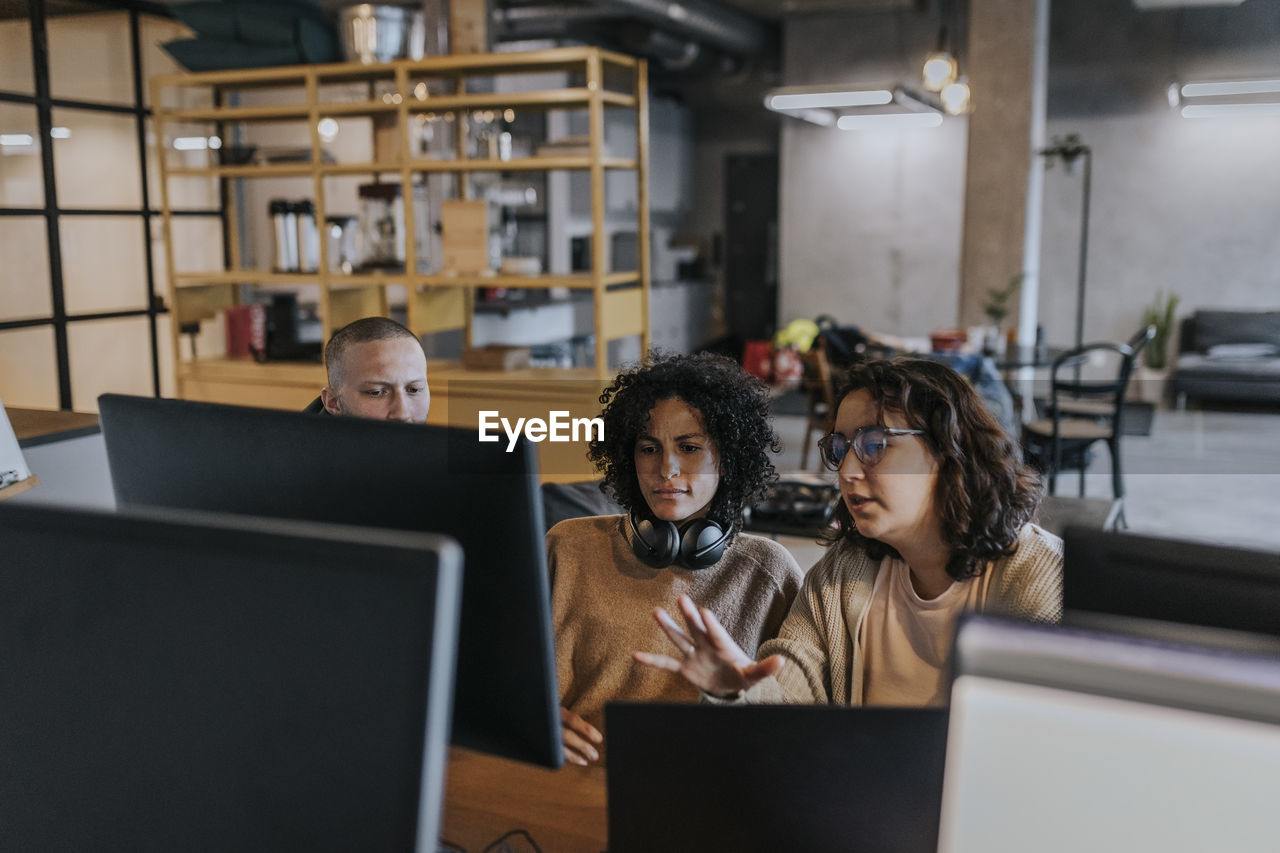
{"x":434,"y":302}
{"x":560,"y":58}
{"x":573,"y":281}
{"x":184,"y":280}
{"x":267,"y":112}
{"x":268,"y":170}
{"x":520,"y":164}
{"x":284,"y":170}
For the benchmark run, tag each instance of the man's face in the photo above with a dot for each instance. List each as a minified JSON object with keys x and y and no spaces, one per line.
{"x":384,"y":379}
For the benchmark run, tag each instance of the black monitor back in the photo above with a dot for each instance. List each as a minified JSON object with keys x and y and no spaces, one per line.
{"x":175,"y":453}
{"x":774,"y":777}
{"x":1170,"y":580}
{"x":180,"y":682}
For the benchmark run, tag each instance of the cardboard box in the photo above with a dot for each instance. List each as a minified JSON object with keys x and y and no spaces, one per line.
{"x":464,"y":227}
{"x":495,"y":357}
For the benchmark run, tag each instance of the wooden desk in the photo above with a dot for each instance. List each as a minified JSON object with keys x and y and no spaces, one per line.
{"x":40,"y":426}
{"x":485,"y":797}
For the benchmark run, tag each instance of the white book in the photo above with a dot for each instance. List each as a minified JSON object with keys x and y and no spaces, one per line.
{"x":13,"y":468}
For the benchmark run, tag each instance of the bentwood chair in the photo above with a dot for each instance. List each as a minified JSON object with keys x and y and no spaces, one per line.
{"x":1084,"y":410}
{"x":819,"y":385}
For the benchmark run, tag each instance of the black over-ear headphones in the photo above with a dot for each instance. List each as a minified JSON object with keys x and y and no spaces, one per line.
{"x":696,"y":544}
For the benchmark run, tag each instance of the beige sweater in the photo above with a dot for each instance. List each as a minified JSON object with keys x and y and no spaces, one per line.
{"x":602,"y":602}
{"x":819,"y":638}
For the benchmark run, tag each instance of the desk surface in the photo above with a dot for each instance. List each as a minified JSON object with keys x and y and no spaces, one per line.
{"x":40,"y":426}
{"x":1016,"y":357}
{"x":485,"y":797}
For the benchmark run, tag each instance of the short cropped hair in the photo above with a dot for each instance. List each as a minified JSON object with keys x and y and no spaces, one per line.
{"x":985,"y":494}
{"x":734,"y":409}
{"x":360,"y":331}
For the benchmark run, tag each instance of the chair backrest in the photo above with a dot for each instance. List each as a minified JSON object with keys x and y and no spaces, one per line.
{"x":1112,"y":389}
{"x":819,"y":382}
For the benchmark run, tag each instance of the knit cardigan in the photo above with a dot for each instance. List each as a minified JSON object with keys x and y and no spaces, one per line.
{"x":819,"y":638}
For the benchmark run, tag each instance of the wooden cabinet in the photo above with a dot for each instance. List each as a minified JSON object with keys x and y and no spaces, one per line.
{"x":216,"y":126}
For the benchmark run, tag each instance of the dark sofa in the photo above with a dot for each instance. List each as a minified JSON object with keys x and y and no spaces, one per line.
{"x":1229,"y":355}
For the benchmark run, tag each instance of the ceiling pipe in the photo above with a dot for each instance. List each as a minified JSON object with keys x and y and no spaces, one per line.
{"x":699,"y":20}
{"x":554,"y":21}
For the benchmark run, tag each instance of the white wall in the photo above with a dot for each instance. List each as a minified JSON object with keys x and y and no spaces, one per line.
{"x":871,"y":225}
{"x":1190,"y":206}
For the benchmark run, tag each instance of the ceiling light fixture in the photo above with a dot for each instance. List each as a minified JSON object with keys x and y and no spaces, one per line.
{"x":939,"y":71}
{"x":826,"y":98}
{"x":16,"y":140}
{"x":890,"y":121}
{"x":1230,"y":110}
{"x":940,"y":67}
{"x":1171,"y":4}
{"x":1209,"y":89}
{"x":955,"y":97}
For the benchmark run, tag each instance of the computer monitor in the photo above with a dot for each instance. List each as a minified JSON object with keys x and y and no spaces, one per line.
{"x":1067,"y":739}
{"x":204,"y":456}
{"x":178,"y":681}
{"x":1171,"y":580}
{"x":774,"y":777}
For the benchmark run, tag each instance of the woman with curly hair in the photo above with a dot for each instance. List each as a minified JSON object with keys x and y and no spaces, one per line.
{"x":936,"y":520}
{"x":684,"y":450}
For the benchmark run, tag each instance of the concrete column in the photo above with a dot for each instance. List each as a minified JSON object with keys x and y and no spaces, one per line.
{"x":999,"y":62}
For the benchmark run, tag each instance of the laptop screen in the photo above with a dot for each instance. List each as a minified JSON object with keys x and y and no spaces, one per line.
{"x":774,"y":778}
{"x":1071,"y":739}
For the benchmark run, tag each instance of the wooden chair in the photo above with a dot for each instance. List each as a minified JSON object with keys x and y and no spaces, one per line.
{"x":819,"y":385}
{"x":1083,"y":411}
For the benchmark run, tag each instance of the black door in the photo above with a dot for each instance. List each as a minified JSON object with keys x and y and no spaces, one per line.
{"x":751,"y":245}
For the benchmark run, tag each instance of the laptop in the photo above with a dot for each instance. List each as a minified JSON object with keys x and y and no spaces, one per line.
{"x":1111,"y":737}
{"x":774,"y":778}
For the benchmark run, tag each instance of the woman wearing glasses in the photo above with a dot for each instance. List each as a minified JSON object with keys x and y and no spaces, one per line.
{"x":935,"y":521}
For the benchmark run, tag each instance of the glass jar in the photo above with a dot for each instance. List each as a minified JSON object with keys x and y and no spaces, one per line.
{"x":381,"y":226}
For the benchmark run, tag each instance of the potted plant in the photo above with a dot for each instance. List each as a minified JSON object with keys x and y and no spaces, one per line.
{"x":1149,"y":379}
{"x":997,"y":308}
{"x":1160,"y":313}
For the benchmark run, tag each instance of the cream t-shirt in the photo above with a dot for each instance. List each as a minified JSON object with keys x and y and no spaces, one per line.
{"x":906,"y":639}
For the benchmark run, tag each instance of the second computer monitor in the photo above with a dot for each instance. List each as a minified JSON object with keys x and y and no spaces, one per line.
{"x":175,"y":453}
{"x":1170,"y":580}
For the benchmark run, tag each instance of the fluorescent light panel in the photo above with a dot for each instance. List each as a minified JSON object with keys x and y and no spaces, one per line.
{"x":890,"y":121}
{"x":1230,"y":87}
{"x":1229,"y":110}
{"x":821,"y":100}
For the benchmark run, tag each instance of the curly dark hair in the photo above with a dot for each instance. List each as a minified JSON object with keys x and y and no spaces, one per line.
{"x":733,"y":405}
{"x":985,"y":494}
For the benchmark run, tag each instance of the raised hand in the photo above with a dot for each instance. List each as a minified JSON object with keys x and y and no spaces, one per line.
{"x":580,"y":738}
{"x":710,"y":659}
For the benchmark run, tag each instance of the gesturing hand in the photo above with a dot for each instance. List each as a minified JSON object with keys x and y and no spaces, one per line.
{"x":711,"y":660}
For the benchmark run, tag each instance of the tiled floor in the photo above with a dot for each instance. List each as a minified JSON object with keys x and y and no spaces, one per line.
{"x":1205,"y":475}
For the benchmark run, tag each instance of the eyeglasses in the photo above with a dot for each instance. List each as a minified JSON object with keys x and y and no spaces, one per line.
{"x":869,"y":444}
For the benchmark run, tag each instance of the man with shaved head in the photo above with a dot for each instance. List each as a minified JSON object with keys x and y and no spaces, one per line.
{"x":376,"y":368}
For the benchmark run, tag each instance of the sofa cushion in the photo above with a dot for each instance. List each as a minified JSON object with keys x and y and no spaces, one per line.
{"x":1236,"y":352}
{"x":1192,"y":365}
{"x":1212,"y":328}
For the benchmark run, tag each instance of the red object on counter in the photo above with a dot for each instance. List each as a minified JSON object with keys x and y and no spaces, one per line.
{"x":757,"y":359}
